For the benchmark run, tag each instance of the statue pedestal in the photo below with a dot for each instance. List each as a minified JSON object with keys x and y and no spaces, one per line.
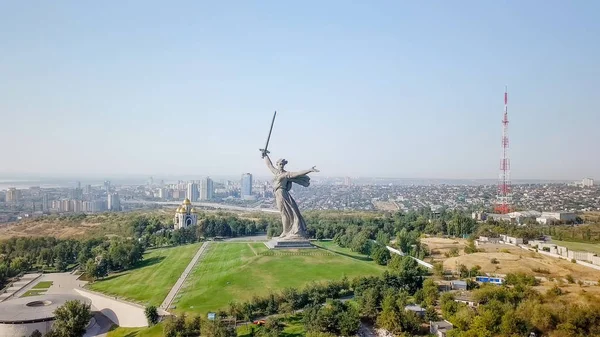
{"x":278,"y":243}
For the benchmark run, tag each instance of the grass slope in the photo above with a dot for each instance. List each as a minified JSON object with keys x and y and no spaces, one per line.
{"x":332,"y":246}
{"x":239,"y":271}
{"x":154,"y":331}
{"x":579,"y":246}
{"x":152,"y":280}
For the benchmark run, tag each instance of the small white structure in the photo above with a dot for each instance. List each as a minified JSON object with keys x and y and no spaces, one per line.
{"x":459,"y":285}
{"x":417,"y":309}
{"x":559,"y":216}
{"x":511,"y":240}
{"x":440,"y":328}
{"x":466,"y":299}
{"x":185,"y":215}
{"x":485,"y":239}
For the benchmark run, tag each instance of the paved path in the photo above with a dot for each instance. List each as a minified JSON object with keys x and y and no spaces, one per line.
{"x":19,"y":287}
{"x":169,"y":299}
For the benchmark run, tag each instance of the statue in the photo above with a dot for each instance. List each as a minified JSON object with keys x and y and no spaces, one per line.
{"x":294,"y":227}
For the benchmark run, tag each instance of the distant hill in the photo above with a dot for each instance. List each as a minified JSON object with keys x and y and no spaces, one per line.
{"x":79,"y":225}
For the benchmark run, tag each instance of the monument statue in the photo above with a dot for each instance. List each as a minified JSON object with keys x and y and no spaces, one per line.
{"x":294,"y":227}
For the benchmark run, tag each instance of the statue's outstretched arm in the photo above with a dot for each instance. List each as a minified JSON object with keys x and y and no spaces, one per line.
{"x":302,"y":173}
{"x":270,"y":164}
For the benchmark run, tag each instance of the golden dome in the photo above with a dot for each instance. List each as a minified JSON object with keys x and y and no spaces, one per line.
{"x":187,"y":201}
{"x":193,"y":210}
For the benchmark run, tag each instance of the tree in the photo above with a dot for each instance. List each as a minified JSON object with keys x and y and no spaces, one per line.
{"x":194,"y":326}
{"x":438,"y":269}
{"x":431,"y":314}
{"x":174,"y":327}
{"x":217,"y":329}
{"x":234,"y":310}
{"x":91,"y":269}
{"x":151,"y":315}
{"x":389,"y":318}
{"x":319,"y":334}
{"x":71,"y":319}
{"x":380,"y":255}
{"x":272,"y":328}
{"x":430,"y":292}
{"x":349,"y":321}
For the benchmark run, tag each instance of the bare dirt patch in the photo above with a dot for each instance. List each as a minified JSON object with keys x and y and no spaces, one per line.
{"x":513,"y":259}
{"x":439,"y":246}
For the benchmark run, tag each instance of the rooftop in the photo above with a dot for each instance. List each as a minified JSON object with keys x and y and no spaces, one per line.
{"x":34,"y":309}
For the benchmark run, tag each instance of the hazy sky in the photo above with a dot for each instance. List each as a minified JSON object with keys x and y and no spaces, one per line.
{"x":398,"y":89}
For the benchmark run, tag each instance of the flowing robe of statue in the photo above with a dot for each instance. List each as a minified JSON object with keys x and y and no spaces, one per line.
{"x":293,"y":223}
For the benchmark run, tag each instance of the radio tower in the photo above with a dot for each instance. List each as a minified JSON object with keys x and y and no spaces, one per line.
{"x":504,"y":196}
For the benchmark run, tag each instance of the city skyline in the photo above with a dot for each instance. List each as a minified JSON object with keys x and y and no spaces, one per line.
{"x":393,"y":90}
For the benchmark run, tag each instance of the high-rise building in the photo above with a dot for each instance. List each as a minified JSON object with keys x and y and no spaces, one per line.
{"x":206,"y":189}
{"x":78,"y":184}
{"x":107,"y":185}
{"x":88,"y":189}
{"x":45,"y":204}
{"x":163,"y":193}
{"x":77,"y":194}
{"x":246,"y":191}
{"x":77,"y":206}
{"x":66,"y":206}
{"x":13,"y":195}
{"x":587,"y":182}
{"x":192,"y":192}
{"x":113,"y":202}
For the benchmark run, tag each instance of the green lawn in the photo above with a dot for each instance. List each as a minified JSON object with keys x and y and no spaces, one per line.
{"x":154,"y":331}
{"x":332,"y":246}
{"x":293,"y":327}
{"x":579,"y":246}
{"x":152,"y":280}
{"x":33,"y":293}
{"x":239,"y":271}
{"x":38,"y":289}
{"x":43,"y":285}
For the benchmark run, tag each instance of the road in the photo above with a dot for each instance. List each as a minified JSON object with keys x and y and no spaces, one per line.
{"x":177,"y":286}
{"x":201,"y":204}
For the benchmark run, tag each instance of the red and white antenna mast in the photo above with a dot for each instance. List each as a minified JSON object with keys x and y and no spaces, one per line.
{"x":503,"y":202}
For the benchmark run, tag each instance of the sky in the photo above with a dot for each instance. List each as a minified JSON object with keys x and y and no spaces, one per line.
{"x":408,"y":89}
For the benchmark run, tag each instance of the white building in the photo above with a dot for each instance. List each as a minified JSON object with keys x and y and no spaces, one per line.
{"x":587,"y":182}
{"x":192,"y":192}
{"x":163,"y":193}
{"x":113,"y":202}
{"x":206,"y":189}
{"x":185,"y":215}
{"x":557,"y":216}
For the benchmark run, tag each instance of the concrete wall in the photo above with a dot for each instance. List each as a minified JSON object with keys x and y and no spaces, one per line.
{"x":583,"y":256}
{"x":124,"y":314}
{"x":18,"y":330}
{"x":421,"y":262}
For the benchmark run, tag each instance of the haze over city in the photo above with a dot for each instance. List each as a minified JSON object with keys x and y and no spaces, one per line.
{"x":390,"y":89}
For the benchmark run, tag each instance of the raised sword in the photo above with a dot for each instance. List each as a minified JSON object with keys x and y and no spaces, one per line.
{"x":265,"y":151}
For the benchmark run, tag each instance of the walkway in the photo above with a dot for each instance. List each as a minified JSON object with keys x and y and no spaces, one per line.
{"x":177,"y":286}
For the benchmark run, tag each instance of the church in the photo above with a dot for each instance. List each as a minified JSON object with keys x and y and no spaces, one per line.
{"x":185,"y":215}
